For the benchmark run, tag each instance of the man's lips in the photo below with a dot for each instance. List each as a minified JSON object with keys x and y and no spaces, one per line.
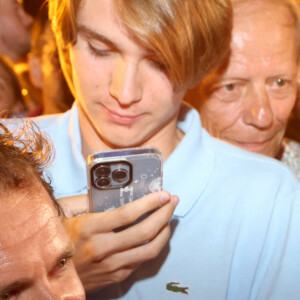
{"x":252,"y":144}
{"x":122,"y":119}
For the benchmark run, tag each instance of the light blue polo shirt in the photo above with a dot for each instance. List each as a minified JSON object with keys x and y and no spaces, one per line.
{"x":235,"y":232}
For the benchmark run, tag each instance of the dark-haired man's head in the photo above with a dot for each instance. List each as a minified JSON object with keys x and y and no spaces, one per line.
{"x":35,"y":250}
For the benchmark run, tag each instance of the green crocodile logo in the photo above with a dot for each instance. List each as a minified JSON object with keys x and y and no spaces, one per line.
{"x":174,"y":287}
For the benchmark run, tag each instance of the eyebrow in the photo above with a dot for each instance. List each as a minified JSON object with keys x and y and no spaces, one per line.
{"x":67,"y":253}
{"x":17,"y":285}
{"x":23,"y":283}
{"x":89,"y":33}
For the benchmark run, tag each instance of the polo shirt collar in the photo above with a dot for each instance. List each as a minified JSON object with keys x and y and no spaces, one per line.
{"x":188,"y":169}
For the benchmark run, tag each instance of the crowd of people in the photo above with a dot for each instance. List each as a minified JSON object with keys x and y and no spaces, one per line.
{"x":28,"y":43}
{"x":213,"y":84}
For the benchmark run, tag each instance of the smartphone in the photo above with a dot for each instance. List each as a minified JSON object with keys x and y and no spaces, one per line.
{"x":120,"y":176}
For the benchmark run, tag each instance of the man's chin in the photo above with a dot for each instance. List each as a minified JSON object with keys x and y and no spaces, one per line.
{"x":118,"y":142}
{"x":259,"y":149}
{"x":264,"y":148}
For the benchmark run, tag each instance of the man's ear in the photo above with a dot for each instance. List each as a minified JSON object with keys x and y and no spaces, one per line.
{"x":35,"y":71}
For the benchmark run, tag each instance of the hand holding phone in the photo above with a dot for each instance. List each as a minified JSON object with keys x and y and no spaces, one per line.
{"x":103,"y":257}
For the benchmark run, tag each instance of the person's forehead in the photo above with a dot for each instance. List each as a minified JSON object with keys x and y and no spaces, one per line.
{"x":90,"y":11}
{"x":263,"y":43}
{"x":31,"y":246}
{"x":262,"y":11}
{"x":26,"y":214}
{"x":266,"y":28}
{"x":101,"y":17}
{"x":34,"y":235}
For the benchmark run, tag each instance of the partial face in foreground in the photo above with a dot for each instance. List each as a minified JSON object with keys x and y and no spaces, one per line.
{"x":124,"y":95}
{"x":249,"y":103}
{"x":35,"y":250}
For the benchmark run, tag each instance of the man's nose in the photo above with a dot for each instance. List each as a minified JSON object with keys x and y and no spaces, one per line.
{"x":125,"y":85}
{"x":258,"y":112}
{"x":70,"y":289}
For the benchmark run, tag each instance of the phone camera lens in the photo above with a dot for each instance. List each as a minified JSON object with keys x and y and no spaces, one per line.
{"x":120,"y":175}
{"x":102,"y":182}
{"x":102,"y":171}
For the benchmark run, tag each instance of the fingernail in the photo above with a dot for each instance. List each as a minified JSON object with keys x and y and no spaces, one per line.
{"x":175,"y":200}
{"x":164,"y":197}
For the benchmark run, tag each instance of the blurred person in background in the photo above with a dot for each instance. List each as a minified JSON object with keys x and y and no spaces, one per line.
{"x":45,"y":70}
{"x":11,"y":98}
{"x":15,"y":38}
{"x":15,"y":30}
{"x":32,"y":7}
{"x":249,"y":99}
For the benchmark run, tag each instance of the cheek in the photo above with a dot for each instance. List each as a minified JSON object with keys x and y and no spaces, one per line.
{"x":90,"y":81}
{"x":282,"y":110}
{"x":166,"y":99}
{"x":70,"y":284}
{"x":156,"y":85}
{"x":219,"y":116}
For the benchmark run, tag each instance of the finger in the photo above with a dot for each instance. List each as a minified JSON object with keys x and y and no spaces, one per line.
{"x":145,"y":231}
{"x":134,"y":256}
{"x":92,"y":281}
{"x":127,"y":214}
{"x":74,"y":205}
{"x":119,"y":266}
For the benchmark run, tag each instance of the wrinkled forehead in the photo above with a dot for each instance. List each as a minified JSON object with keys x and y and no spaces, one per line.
{"x":278,"y":11}
{"x":23,"y":215}
{"x":266,"y":24}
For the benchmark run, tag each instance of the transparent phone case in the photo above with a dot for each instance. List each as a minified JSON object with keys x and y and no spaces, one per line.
{"x":144,"y":166}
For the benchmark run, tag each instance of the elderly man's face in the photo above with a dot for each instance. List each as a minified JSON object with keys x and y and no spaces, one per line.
{"x":250,"y":102}
{"x":35,"y":250}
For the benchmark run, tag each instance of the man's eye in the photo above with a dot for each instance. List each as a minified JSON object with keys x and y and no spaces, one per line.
{"x":280,"y":82}
{"x":228,"y":92}
{"x":62,"y":262}
{"x":229,"y":87}
{"x":99,"y":51}
{"x":5,"y":296}
{"x":8,"y":295}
